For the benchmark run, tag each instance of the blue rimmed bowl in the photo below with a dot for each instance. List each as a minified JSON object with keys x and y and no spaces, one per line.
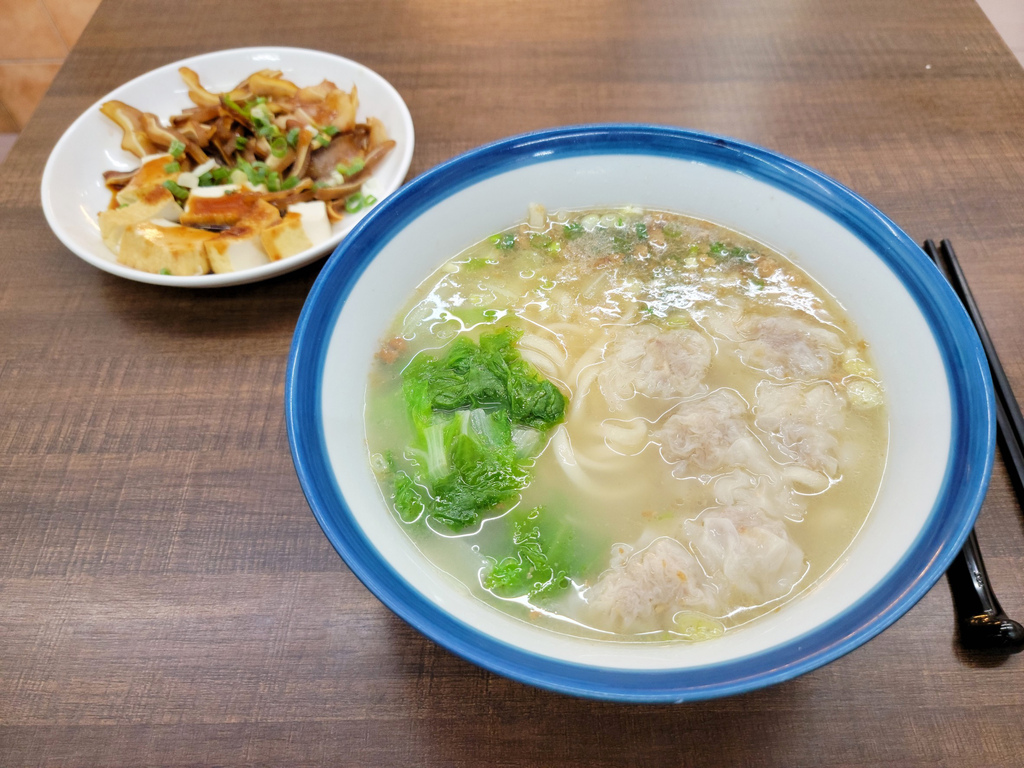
{"x":937,"y":387}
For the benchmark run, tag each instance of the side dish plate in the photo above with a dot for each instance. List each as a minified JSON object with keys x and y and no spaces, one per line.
{"x":942,"y":425}
{"x":73,"y":191}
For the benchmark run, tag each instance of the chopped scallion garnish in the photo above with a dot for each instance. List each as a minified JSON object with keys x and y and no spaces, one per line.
{"x":172,"y":167}
{"x":165,"y":271}
{"x":355,"y":203}
{"x":292,"y":138}
{"x":176,"y":149}
{"x":330,"y":130}
{"x":255,"y":174}
{"x":290,"y":182}
{"x":352,"y":168}
{"x":241,"y":143}
{"x":545,"y":243}
{"x":176,"y":189}
{"x":279,"y":147}
{"x":503,"y":242}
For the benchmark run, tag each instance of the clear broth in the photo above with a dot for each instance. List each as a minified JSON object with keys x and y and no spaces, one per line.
{"x":575,"y":283}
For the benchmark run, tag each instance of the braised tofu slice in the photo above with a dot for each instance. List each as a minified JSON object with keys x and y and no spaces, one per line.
{"x":151,"y":174}
{"x":286,"y":238}
{"x":222,"y":206}
{"x":161,"y":246}
{"x":304,"y":226}
{"x":314,"y":220}
{"x":157,"y":203}
{"x":240,"y":247}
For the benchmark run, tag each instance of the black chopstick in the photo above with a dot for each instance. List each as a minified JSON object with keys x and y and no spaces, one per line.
{"x":1008,"y":415}
{"x":981,"y":622}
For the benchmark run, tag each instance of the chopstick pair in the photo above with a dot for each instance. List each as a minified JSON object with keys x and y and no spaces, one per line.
{"x":981,"y":622}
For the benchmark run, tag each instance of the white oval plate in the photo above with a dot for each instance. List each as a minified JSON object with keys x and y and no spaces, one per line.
{"x":73,"y":191}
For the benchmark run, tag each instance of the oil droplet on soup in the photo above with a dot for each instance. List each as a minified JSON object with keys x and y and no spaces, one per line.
{"x":627,"y":424}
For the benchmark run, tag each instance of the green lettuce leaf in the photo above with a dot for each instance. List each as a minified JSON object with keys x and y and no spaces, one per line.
{"x":479,"y":413}
{"x":540,"y":563}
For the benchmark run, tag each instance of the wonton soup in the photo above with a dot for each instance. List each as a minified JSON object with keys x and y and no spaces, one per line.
{"x":627,"y":424}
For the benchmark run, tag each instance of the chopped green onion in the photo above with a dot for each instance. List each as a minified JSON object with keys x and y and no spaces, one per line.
{"x":124,"y":205}
{"x":545,"y":243}
{"x":241,"y":143}
{"x":330,"y":130}
{"x":622,"y":244}
{"x":279,"y":147}
{"x":256,"y":173}
{"x":503,"y":242}
{"x":369,"y":200}
{"x":206,"y":180}
{"x":176,"y":189}
{"x":352,"y":169}
{"x":274,"y":181}
{"x":641,"y":230}
{"x":292,"y":138}
{"x":219,"y":174}
{"x":176,"y":149}
{"x":356,"y":203}
{"x":721,"y":252}
{"x":319,"y":185}
{"x":290,"y":182}
{"x":165,"y":271}
{"x":572,"y":230}
{"x":264,"y":125}
{"x":172,"y":167}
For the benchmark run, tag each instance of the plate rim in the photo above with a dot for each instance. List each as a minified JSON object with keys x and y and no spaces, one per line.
{"x":947,"y":526}
{"x":210,"y":280}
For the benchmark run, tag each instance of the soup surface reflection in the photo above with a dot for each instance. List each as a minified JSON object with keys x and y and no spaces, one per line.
{"x":627,"y":424}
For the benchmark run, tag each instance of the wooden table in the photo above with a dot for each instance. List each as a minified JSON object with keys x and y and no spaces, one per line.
{"x":166,"y":597}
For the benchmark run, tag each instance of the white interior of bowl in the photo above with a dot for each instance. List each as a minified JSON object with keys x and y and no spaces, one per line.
{"x":73,"y":191}
{"x":903,"y":347}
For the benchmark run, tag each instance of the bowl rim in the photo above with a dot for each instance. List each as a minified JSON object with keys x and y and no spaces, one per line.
{"x":962,"y":491}
{"x":51,"y":171}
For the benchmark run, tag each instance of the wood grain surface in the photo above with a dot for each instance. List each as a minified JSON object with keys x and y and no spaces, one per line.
{"x":166,"y":597}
